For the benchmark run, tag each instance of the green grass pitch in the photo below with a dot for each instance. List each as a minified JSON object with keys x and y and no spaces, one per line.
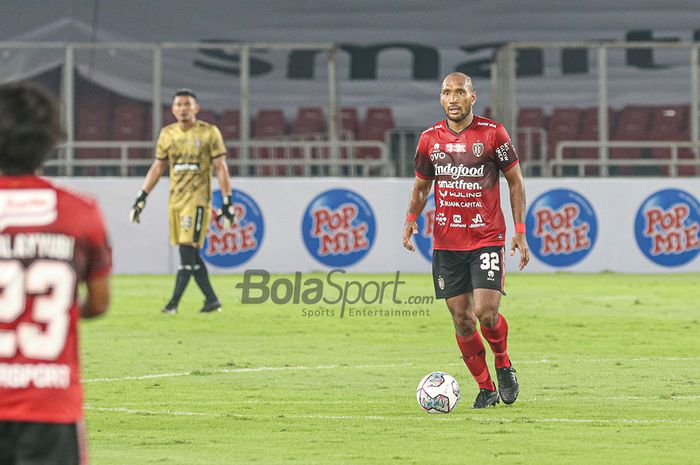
{"x":609,"y":367}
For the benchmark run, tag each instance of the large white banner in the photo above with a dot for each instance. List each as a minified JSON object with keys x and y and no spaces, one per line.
{"x":390,"y":54}
{"x":286,"y":225}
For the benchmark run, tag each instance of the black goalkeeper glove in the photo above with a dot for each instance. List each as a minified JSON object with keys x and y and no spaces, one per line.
{"x":139,"y":205}
{"x":226,"y":212}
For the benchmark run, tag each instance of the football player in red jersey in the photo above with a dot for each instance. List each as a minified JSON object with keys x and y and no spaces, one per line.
{"x":51,"y":239}
{"x":462,"y":156}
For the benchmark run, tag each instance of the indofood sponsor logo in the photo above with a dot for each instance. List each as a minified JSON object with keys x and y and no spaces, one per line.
{"x":426,"y":222}
{"x":561,"y":227}
{"x":234,"y":246}
{"x":338,"y":228}
{"x":667,"y":227}
{"x":459,"y":171}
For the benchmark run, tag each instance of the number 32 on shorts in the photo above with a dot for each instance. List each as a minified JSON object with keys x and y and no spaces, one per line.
{"x":490,"y":261}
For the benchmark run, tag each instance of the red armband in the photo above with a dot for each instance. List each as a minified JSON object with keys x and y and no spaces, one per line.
{"x":520,"y":228}
{"x":411,"y":217}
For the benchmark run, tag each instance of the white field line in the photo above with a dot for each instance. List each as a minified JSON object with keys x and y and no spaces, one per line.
{"x":527,"y":400}
{"x":395,"y":365}
{"x":476,"y":418}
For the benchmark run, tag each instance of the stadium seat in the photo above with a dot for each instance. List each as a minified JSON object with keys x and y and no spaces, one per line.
{"x":350,"y":121}
{"x":531,"y":118}
{"x":632,"y":125}
{"x":166,"y":118}
{"x":670,"y":123}
{"x":309,"y":125}
{"x":92,"y":124}
{"x":589,"y":131}
{"x":379,"y":120}
{"x":529,"y":141}
{"x":269,"y":124}
{"x":564,"y":124}
{"x":208,"y":116}
{"x":230,"y":126}
{"x":309,"y":120}
{"x":128,"y":120}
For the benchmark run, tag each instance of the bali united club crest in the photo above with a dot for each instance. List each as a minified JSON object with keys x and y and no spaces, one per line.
{"x":478,"y":149}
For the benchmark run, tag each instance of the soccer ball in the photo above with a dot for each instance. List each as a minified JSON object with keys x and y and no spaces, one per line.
{"x":438,"y":392}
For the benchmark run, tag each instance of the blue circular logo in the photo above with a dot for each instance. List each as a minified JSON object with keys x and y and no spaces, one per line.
{"x":338,"y":228}
{"x":426,"y":221}
{"x":561,"y":227}
{"x":667,"y":227}
{"x":232,"y":247}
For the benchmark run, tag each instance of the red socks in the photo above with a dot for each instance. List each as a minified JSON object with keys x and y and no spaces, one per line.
{"x":497,"y":337}
{"x":474,"y":355}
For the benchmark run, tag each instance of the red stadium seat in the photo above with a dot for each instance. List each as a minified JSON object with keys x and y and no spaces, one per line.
{"x":589,"y":131}
{"x":309,"y":120}
{"x":269,"y":124}
{"x":670,"y":123}
{"x":208,"y":116}
{"x":632,"y":125}
{"x":529,"y":142}
{"x":92,"y":124}
{"x":378,"y":121}
{"x":230,"y":125}
{"x":128,"y":120}
{"x":531,"y":118}
{"x":375,"y":127}
{"x":564,"y":124}
{"x":350,"y":121}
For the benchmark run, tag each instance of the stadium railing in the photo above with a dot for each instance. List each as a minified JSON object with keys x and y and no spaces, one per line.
{"x":264,"y":158}
{"x":555,"y":166}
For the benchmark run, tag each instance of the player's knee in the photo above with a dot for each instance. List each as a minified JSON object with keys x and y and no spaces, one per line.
{"x":464,"y":326}
{"x":488,"y":315}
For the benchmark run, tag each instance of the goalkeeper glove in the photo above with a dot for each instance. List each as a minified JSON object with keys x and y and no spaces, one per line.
{"x":139,"y":205}
{"x":226,"y":212}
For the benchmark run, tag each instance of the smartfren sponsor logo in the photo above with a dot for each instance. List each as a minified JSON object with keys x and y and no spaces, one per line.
{"x":460,"y":184}
{"x":459,"y":171}
{"x":186,"y":167}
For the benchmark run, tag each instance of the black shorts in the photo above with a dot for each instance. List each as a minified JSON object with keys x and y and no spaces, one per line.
{"x":456,"y":272}
{"x":41,"y":443}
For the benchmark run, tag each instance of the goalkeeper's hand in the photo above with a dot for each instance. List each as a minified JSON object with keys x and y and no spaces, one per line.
{"x":226,"y":212}
{"x":139,"y":205}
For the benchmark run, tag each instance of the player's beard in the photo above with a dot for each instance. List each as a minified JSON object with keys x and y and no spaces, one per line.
{"x":461,"y":117}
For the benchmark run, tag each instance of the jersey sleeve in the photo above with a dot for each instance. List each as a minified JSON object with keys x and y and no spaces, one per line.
{"x":504,"y":152}
{"x":217,"y":147}
{"x":424,"y":168}
{"x":99,"y":260}
{"x":162,"y":145}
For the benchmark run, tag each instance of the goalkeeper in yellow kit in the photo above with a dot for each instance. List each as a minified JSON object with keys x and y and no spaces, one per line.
{"x":190,"y":147}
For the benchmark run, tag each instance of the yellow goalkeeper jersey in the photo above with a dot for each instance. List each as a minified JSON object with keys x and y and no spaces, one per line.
{"x":190,"y":153}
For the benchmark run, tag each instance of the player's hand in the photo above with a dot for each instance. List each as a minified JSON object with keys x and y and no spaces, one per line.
{"x":227,"y":212}
{"x":519,"y":241}
{"x":139,"y":205}
{"x":409,"y":229}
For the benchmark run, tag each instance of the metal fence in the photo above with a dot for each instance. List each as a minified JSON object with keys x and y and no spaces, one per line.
{"x":264,"y":158}
{"x":505,"y":93}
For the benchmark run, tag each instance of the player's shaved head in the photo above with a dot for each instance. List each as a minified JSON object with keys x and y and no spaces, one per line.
{"x":459,"y":79}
